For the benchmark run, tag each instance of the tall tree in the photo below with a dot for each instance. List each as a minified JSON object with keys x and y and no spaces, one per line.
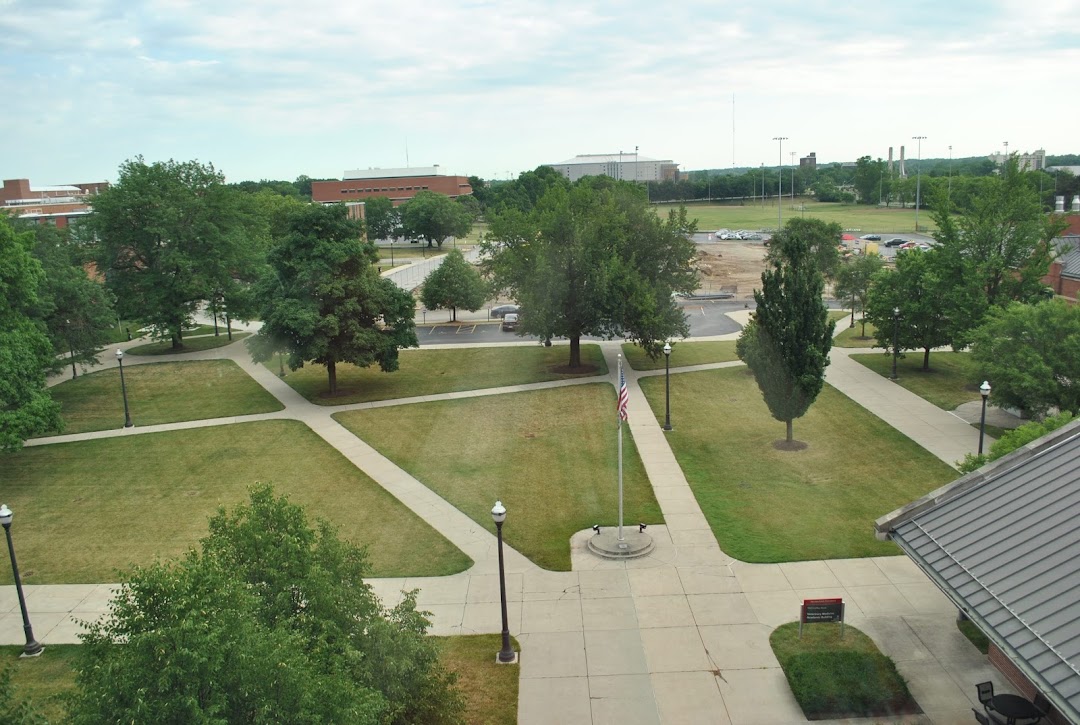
{"x":594,"y":259}
{"x":453,"y":284}
{"x":924,"y":298}
{"x":382,"y":219}
{"x":869,"y":179}
{"x":1031,"y":355}
{"x":77,"y":309}
{"x":26,"y":409}
{"x":821,"y":239}
{"x":167,"y":236}
{"x":787,"y":343}
{"x":323,"y":299}
{"x":1001,"y":240}
{"x":434,"y":218}
{"x":853,"y":282}
{"x":269,"y":621}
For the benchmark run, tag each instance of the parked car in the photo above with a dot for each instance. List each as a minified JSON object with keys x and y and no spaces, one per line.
{"x":510,"y":321}
{"x":871,"y":237}
{"x":895,"y":242}
{"x":503,"y":310}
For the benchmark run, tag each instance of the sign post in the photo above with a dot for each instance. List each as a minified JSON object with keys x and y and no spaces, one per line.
{"x":821,"y":610}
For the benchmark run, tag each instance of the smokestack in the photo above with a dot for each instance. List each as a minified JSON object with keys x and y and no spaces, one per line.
{"x":890,"y":161}
{"x":903,"y":171}
{"x":1076,"y":204}
{"x":1059,"y":204}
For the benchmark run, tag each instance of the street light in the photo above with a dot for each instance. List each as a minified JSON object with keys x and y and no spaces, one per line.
{"x":895,"y":338}
{"x":123,"y":389}
{"x":506,"y":654}
{"x":71,"y":348}
{"x":918,"y":181}
{"x":32,"y":648}
{"x":985,"y":390}
{"x":780,"y":184}
{"x":667,"y":386}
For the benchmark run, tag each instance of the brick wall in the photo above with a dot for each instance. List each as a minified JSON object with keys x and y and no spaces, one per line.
{"x":1022,"y":684}
{"x":399,"y":190}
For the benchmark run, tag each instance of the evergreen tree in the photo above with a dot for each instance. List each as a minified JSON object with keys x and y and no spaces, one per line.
{"x":787,"y":343}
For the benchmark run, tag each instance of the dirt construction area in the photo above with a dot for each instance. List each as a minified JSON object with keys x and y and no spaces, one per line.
{"x":731,"y":266}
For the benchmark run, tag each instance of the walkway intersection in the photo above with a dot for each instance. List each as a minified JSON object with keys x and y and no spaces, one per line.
{"x":679,"y":636}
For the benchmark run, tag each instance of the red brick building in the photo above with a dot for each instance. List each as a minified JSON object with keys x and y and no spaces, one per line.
{"x":1064,"y":275}
{"x":398,"y":184}
{"x":48,"y":204}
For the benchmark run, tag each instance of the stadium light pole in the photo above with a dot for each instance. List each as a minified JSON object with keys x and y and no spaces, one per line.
{"x":792,"y":178}
{"x":918,"y":181}
{"x":780,"y":184}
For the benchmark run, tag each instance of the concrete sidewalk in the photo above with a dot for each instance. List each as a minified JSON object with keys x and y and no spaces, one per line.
{"x":680,"y":636}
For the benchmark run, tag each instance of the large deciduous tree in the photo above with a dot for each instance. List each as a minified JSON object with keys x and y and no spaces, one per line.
{"x":787,"y":343}
{"x":1031,"y":355}
{"x":323,"y":300}
{"x":26,"y":409}
{"x":382,"y":219}
{"x":594,"y":259}
{"x":268,"y":621}
{"x":433,"y":218}
{"x":454,"y":283}
{"x":999,"y":244}
{"x":169,"y":235}
{"x":853,"y":282}
{"x":821,"y":238}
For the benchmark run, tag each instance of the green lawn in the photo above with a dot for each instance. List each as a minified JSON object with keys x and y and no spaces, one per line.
{"x":491,"y":689}
{"x":119,"y":333}
{"x":88,"y":508}
{"x":853,"y":337}
{"x":834,"y":677}
{"x":46,"y":679}
{"x":757,"y":216}
{"x":161,"y":393}
{"x":953,"y":377}
{"x":429,"y":372}
{"x":192,"y":344}
{"x":683,"y":354}
{"x":548,"y":455}
{"x":766,"y":505}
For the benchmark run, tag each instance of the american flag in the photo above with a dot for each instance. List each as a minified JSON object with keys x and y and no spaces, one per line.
{"x":624,"y":396}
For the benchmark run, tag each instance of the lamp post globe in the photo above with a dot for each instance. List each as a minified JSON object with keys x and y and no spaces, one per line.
{"x":984,"y":389}
{"x":506,"y":654}
{"x":123,"y":388}
{"x":32,"y":648}
{"x":667,"y":386}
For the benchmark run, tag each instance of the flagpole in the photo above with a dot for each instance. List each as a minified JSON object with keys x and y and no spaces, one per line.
{"x":621,"y":383}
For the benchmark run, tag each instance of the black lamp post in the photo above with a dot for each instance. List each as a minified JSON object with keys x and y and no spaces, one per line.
{"x":33,"y":648}
{"x":985,"y":390}
{"x":123,"y":389}
{"x":506,"y":654}
{"x":895,"y":339}
{"x":71,"y":348}
{"x":667,"y":386}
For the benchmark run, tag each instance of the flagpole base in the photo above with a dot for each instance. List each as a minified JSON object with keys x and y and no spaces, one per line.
{"x":606,"y":545}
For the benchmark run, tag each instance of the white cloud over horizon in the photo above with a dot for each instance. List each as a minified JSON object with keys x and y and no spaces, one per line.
{"x":274,"y":89}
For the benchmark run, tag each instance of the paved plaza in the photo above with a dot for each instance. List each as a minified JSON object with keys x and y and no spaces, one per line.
{"x":679,"y":636}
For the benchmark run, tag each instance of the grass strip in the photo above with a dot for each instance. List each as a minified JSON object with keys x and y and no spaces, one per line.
{"x":683,"y":354}
{"x":193,"y":344}
{"x":548,"y":455}
{"x":89,"y":508}
{"x":953,"y":378}
{"x":161,"y":393}
{"x":974,"y":635}
{"x":834,"y":677}
{"x":491,"y":690}
{"x":769,"y":505}
{"x":431,"y":372}
{"x":853,"y":337}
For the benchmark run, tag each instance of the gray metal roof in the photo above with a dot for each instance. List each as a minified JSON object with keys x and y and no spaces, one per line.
{"x":1069,"y":256}
{"x":1003,"y":543}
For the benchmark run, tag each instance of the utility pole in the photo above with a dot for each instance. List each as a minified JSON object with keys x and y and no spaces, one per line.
{"x":780,"y":185}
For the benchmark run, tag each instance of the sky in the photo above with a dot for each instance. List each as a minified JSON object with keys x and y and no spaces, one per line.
{"x":270,"y":89}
